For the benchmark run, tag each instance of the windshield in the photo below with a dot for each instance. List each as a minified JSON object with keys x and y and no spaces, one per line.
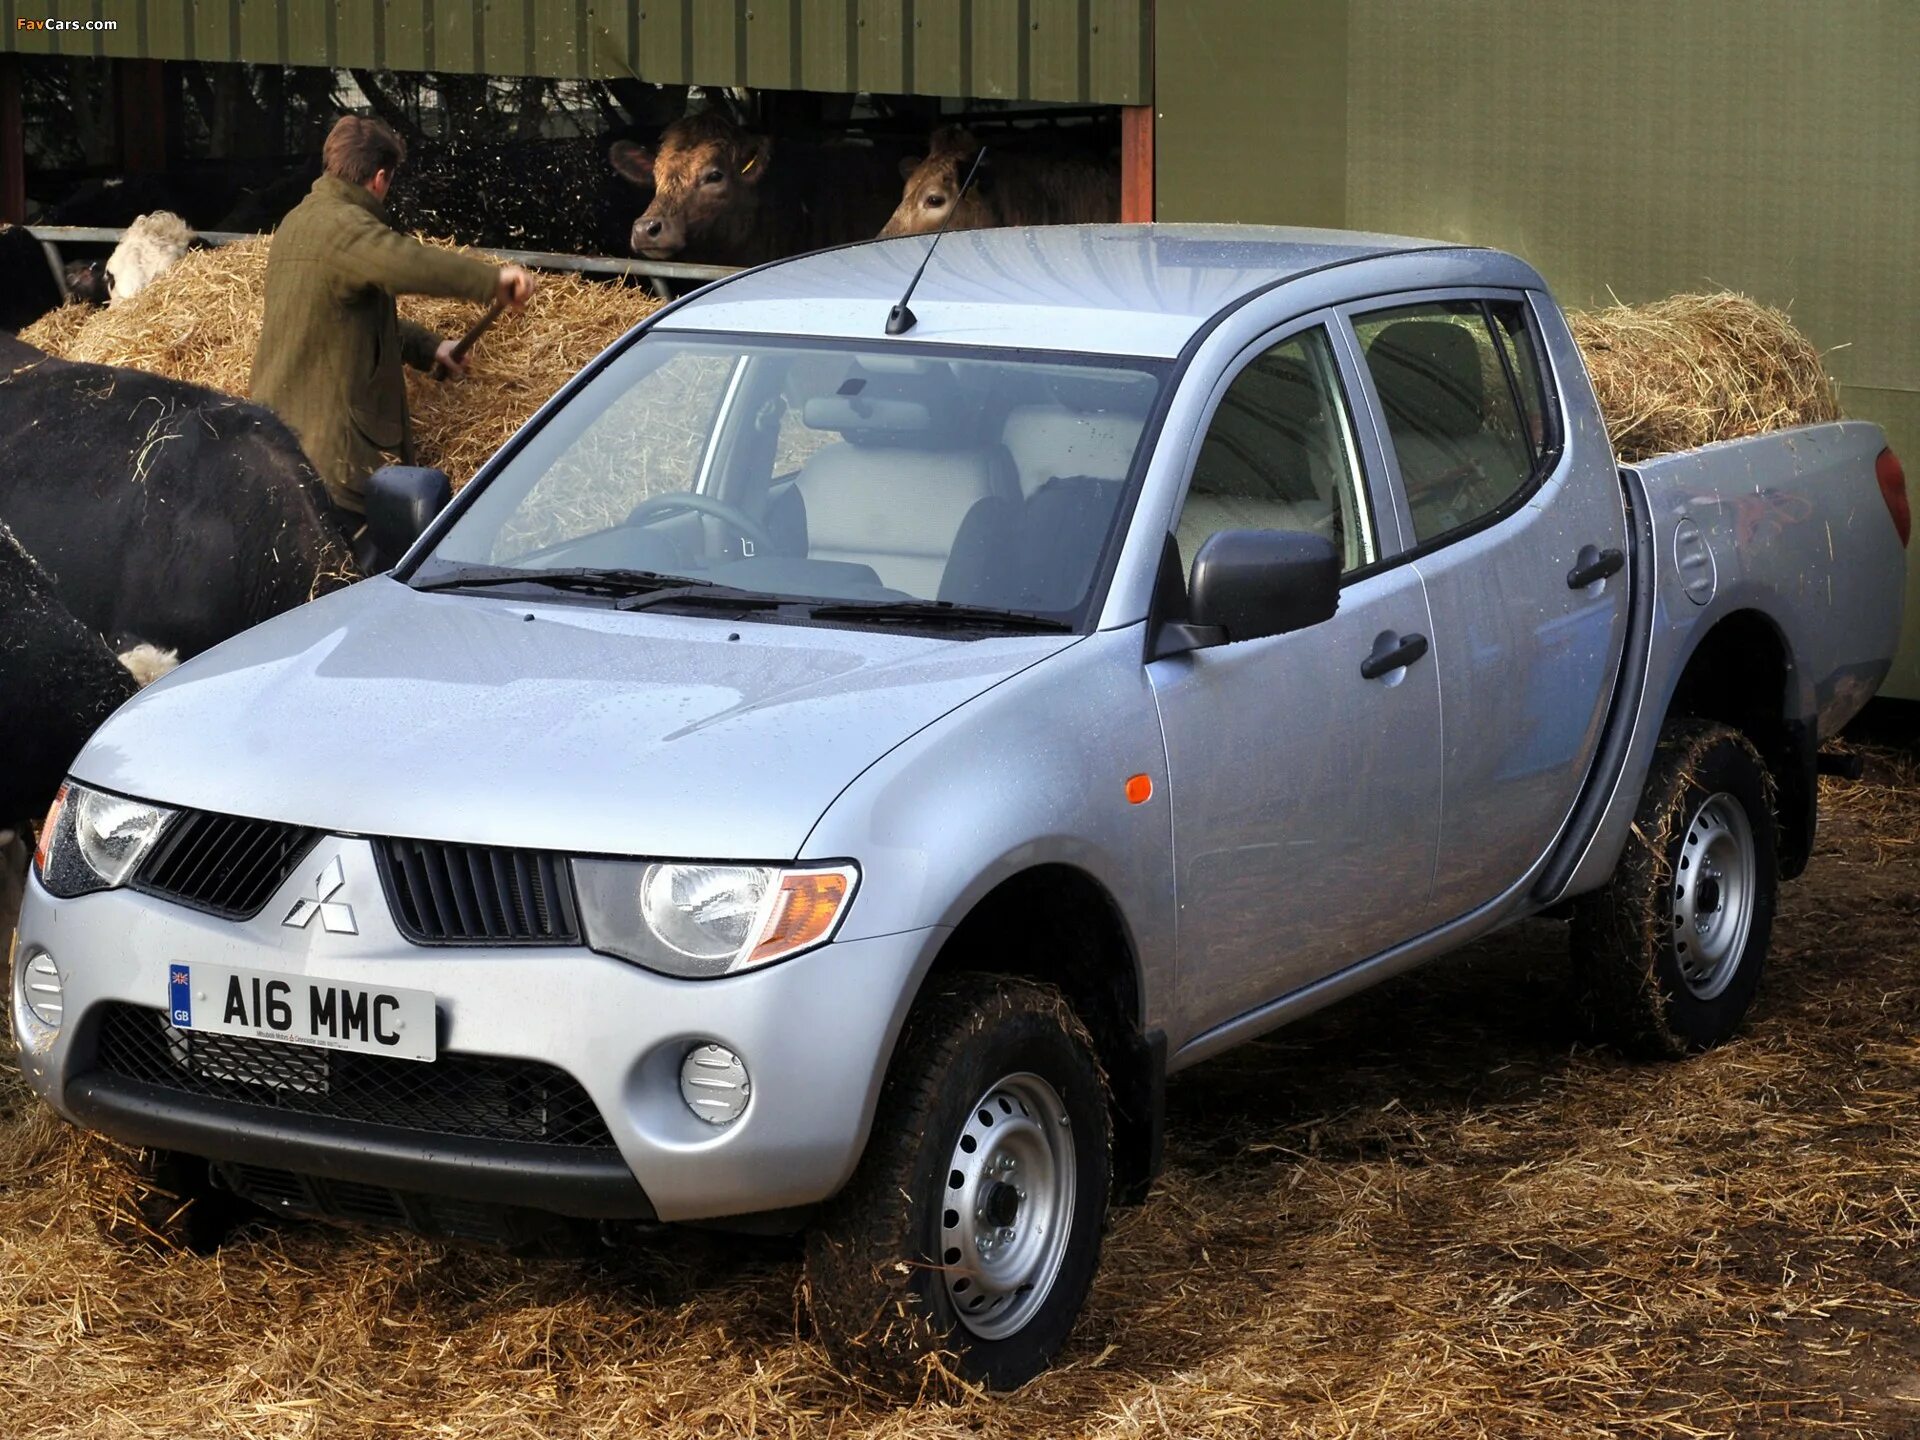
{"x":868,"y":477}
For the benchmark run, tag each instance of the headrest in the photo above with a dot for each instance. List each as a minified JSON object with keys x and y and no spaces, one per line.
{"x":1428,"y":373}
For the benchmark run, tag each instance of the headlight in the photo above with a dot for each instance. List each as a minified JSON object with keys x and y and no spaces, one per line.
{"x":94,"y":841}
{"x":699,"y":921}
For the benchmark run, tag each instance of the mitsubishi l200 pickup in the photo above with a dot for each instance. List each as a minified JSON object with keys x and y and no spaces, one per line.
{"x":823,"y":778}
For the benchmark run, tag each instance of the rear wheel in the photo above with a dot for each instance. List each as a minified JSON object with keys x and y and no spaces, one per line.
{"x":1669,"y":955}
{"x":970,"y":1232}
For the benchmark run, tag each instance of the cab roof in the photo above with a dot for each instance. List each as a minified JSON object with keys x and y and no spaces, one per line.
{"x":1115,"y":289}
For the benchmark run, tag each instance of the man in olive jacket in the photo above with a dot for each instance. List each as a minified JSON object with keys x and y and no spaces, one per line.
{"x":331,"y":343}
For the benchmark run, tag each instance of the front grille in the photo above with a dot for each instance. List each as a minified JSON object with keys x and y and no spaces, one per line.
{"x":477,"y":1096}
{"x":225,"y":864}
{"x":444,"y":894}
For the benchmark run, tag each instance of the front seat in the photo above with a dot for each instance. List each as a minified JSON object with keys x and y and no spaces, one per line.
{"x":894,"y":508}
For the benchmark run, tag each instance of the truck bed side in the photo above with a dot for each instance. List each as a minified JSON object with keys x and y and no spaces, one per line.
{"x":1778,"y":597}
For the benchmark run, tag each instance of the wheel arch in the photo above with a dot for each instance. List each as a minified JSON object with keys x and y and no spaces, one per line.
{"x":1740,"y":672}
{"x":1057,"y":924}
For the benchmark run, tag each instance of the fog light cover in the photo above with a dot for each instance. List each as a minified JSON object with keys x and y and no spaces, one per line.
{"x":714,"y":1083}
{"x":40,"y":988}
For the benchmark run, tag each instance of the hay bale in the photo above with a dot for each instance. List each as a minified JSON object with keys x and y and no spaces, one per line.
{"x":1692,"y":369}
{"x":200,"y":322}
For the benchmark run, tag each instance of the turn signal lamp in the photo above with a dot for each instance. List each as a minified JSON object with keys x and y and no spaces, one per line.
{"x":44,"y":849}
{"x":802,"y":913}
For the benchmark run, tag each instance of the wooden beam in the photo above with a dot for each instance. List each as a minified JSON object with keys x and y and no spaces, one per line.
{"x":13,"y":144}
{"x":1136,"y":164}
{"x":140,"y":101}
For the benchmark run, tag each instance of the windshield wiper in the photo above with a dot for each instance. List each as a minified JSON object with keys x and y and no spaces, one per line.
{"x":942,"y":613}
{"x":706,"y":592}
{"x":586,"y":582}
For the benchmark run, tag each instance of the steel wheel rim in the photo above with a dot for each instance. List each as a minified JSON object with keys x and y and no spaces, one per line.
{"x":1714,"y":885}
{"x":1006,"y":1209}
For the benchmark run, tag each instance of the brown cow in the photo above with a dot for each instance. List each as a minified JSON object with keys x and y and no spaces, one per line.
{"x":1012,"y":187}
{"x":726,"y":195}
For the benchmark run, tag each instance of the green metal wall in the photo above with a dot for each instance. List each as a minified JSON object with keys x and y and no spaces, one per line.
{"x":1632,"y":148}
{"x":1090,"y":51}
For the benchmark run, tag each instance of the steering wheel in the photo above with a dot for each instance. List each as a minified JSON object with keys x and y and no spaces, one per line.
{"x":657,"y":505}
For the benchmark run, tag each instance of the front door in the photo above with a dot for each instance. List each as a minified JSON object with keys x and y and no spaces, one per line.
{"x":1305,"y":795}
{"x":1522,"y":547}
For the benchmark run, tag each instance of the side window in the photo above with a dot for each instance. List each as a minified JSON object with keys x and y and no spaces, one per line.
{"x":624,"y":456}
{"x":806,"y":376}
{"x":1537,"y":409}
{"x":1279,"y":455}
{"x":1464,"y":401}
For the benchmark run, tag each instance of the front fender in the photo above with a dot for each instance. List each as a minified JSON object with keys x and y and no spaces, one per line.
{"x":1033,"y":772}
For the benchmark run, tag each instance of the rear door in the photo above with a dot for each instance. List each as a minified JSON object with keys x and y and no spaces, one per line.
{"x":1521,"y":541}
{"x":1305,"y":795}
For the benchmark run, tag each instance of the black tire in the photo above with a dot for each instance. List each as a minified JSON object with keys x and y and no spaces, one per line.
{"x":878,"y":1278}
{"x":160,"y":1200}
{"x":1664,"y":965}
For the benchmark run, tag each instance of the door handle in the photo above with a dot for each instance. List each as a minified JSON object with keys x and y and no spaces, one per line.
{"x":1390,"y":652}
{"x":1591,"y":565}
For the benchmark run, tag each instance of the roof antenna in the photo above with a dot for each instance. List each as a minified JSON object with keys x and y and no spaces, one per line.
{"x":900,"y":319}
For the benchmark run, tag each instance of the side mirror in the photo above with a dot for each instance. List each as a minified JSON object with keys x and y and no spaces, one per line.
{"x":401,"y":502}
{"x":1247,"y":584}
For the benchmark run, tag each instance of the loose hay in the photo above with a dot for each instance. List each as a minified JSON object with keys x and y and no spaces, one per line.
{"x":1692,"y":369}
{"x":58,"y":331}
{"x":200,"y":322}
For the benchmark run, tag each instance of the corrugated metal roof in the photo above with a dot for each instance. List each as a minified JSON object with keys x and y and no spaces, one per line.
{"x":1087,"y":51}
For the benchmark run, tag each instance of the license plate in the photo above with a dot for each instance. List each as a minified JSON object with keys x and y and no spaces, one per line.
{"x":302,"y":1010}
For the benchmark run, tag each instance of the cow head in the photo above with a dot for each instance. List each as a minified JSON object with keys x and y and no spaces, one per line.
{"x":706,"y":179}
{"x":87,"y":282}
{"x":933,"y":188}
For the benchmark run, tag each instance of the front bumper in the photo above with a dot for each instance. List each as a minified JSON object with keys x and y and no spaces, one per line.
{"x":816,"y":1033}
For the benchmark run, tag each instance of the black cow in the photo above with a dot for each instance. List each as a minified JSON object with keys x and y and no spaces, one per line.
{"x":262,"y":207}
{"x":58,"y":681}
{"x":165,"y":512}
{"x":29,"y":285}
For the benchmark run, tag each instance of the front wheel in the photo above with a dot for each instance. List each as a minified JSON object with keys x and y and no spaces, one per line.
{"x":159,"y":1200}
{"x":1668,"y":956}
{"x":971,"y":1229}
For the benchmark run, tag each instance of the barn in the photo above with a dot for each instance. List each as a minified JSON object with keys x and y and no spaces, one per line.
{"x":1627,"y":150}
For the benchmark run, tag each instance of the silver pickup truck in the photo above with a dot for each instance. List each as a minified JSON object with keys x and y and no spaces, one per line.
{"x":818,"y":777}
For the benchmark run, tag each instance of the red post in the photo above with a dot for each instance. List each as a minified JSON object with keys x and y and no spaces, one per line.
{"x":1136,"y":164}
{"x":141,"y":101}
{"x":13,"y":144}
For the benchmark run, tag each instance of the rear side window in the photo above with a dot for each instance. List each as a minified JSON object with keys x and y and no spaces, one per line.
{"x":1464,"y":398}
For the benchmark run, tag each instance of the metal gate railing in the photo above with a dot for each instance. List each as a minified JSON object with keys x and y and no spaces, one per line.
{"x":657,"y":271}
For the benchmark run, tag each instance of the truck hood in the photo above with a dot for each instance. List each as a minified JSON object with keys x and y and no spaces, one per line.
{"x":380,"y":710}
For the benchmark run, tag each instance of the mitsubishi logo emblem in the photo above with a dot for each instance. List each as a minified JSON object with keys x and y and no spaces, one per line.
{"x":335,"y":915}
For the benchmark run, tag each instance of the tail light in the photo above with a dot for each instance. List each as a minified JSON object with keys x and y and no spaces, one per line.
{"x":1893,"y":489}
